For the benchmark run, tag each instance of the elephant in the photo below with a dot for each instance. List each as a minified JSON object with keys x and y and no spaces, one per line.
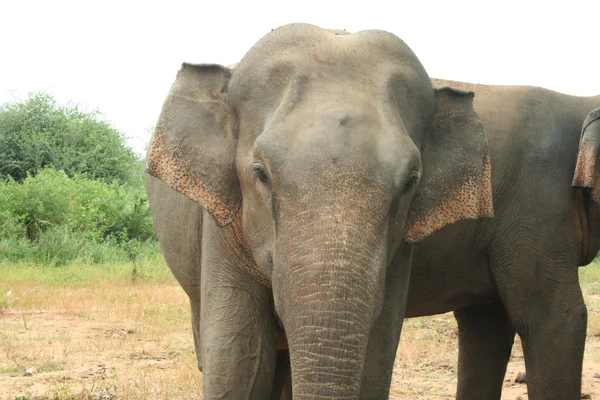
{"x":518,"y":272}
{"x":287,"y":195}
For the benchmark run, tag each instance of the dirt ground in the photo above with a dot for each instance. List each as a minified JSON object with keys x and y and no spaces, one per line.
{"x":135,"y":342}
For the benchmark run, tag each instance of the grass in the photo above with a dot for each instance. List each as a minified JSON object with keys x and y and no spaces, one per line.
{"x":76,"y":275}
{"x":101,"y":331}
{"x":88,"y":329}
{"x":590,"y":278}
{"x":58,"y":247}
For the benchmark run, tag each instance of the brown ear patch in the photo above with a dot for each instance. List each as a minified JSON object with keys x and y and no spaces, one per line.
{"x":193,"y":146}
{"x":456,"y":181}
{"x":171,"y":169}
{"x":586,"y":171}
{"x":471,"y":201}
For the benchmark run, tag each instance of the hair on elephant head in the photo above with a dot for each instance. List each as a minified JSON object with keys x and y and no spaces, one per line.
{"x":325,"y":151}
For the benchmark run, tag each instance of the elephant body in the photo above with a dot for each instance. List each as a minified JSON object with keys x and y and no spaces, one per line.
{"x":286,"y":194}
{"x":518,"y":272}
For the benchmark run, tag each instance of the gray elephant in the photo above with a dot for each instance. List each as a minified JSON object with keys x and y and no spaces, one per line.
{"x":518,"y":272}
{"x":286,"y":195}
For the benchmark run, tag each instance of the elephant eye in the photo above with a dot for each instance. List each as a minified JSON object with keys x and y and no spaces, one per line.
{"x":260,"y":172}
{"x":413,"y":178}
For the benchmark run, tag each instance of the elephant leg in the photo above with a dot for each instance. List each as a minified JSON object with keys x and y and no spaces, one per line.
{"x":544,"y":302}
{"x":237,"y":321}
{"x":553,"y":337}
{"x":385,"y":335}
{"x":485,"y":339}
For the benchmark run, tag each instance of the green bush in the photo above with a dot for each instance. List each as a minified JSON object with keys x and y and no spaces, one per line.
{"x":70,"y":189}
{"x":92,"y":208}
{"x":16,"y":249}
{"x":38,"y":133}
{"x":54,"y":219}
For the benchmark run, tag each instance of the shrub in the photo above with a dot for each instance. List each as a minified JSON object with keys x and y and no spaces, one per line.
{"x":70,"y":189}
{"x":39,"y":132}
{"x":94,"y":208}
{"x":53,"y":219}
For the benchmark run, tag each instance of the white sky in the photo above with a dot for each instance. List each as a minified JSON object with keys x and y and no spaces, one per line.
{"x":122,"y":56}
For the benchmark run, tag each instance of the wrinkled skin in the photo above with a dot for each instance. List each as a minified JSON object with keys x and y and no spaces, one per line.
{"x":518,"y":272}
{"x":286,"y":195}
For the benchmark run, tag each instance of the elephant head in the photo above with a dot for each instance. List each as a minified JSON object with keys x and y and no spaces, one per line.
{"x":327,"y":150}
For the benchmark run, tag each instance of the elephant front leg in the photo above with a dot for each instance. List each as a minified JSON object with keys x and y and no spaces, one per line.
{"x":237,"y":326}
{"x":553,"y":337}
{"x":485,"y":339}
{"x":543,"y":299}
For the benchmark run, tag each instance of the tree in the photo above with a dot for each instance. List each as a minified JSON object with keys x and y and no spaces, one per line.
{"x":39,"y":132}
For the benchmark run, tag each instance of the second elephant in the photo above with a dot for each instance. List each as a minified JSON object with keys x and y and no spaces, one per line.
{"x":518,"y":272}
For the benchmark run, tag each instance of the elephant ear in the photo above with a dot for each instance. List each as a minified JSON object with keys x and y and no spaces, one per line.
{"x":193,"y":146}
{"x":456,"y":180}
{"x":587,"y":170}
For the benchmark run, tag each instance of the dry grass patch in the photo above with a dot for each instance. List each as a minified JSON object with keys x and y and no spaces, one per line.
{"x":101,"y":336}
{"x":92,"y":332}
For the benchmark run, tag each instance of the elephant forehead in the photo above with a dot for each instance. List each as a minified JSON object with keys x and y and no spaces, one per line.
{"x":302,"y":38}
{"x":301,"y":50}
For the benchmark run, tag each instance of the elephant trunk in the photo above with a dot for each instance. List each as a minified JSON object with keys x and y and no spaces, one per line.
{"x":330,"y":293}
